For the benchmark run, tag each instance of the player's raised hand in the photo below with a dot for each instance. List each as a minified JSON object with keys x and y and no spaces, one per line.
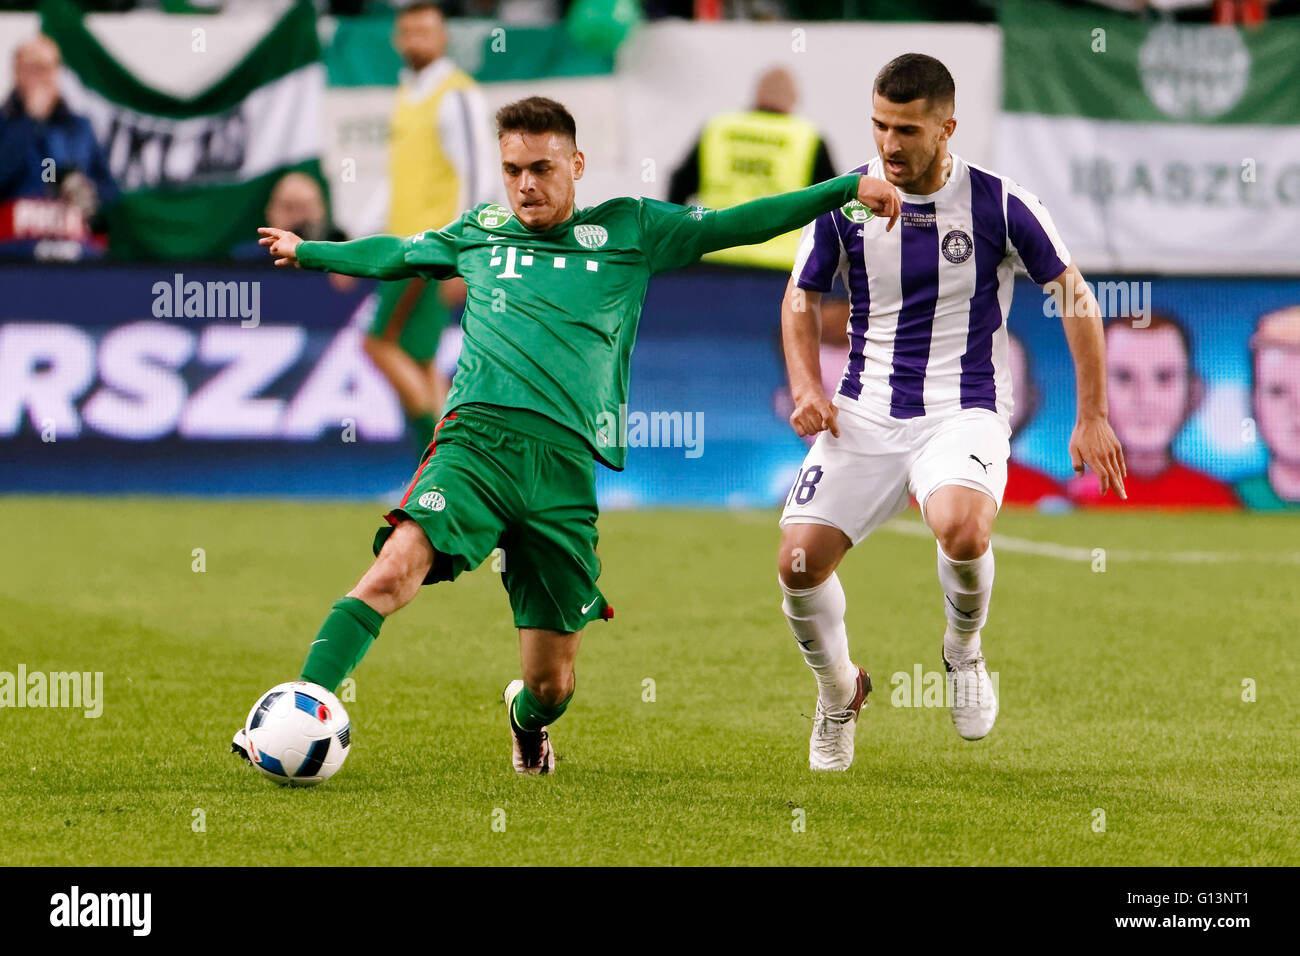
{"x":812,"y":414}
{"x":881,"y":198}
{"x":281,"y":243}
{"x":1094,"y":444}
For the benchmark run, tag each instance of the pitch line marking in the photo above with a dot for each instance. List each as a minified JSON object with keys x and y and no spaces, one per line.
{"x":1065,"y":552}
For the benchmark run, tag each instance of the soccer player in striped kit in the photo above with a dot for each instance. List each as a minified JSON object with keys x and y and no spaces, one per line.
{"x":924,"y":403}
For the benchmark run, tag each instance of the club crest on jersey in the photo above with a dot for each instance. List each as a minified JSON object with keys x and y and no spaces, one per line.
{"x":494,"y":216}
{"x":697,"y":212}
{"x":957,"y":247}
{"x":432,"y":501}
{"x":591,"y":236}
{"x":856,"y":212}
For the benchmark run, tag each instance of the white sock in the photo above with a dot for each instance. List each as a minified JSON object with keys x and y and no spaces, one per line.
{"x":967,"y":589}
{"x":816,"y":617}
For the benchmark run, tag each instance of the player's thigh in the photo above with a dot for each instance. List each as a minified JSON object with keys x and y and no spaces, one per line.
{"x":463,"y":496}
{"x":967,"y":451}
{"x":854,"y":483}
{"x":550,"y":562}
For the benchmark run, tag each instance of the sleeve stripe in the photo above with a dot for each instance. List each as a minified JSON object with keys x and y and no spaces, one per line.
{"x":820,"y":255}
{"x":1038,"y":249}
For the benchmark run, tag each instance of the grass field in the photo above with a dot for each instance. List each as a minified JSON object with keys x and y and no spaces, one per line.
{"x":1121,"y":692}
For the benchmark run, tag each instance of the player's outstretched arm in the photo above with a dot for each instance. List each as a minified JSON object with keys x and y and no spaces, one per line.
{"x":1094,"y":442}
{"x":801,"y":332}
{"x":762,"y":219}
{"x":375,"y":257}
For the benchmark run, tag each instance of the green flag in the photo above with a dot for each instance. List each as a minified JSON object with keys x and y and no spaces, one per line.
{"x":195,"y":171}
{"x":1156,"y":145}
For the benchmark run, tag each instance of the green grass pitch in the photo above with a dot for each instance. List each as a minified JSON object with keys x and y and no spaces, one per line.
{"x":1122,"y":693}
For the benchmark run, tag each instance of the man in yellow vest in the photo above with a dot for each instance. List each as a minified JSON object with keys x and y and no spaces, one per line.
{"x":750,"y":154}
{"x":441,"y":161}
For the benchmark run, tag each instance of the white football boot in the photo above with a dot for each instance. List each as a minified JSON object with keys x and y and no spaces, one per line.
{"x":240,"y":744}
{"x":831,"y":744}
{"x":974,"y":703}
{"x":532,"y":752}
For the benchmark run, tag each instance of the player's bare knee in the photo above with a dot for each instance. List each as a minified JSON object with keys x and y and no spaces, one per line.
{"x":802,"y":564}
{"x":963,"y":538}
{"x":551,"y":688}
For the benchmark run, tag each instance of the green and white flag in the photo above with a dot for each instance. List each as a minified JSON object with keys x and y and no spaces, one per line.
{"x":198,"y":116}
{"x":1157,"y":146}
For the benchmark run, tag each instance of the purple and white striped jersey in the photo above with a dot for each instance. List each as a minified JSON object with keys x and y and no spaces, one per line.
{"x":928,"y":301}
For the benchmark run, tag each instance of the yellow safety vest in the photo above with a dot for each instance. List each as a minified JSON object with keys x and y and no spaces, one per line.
{"x":425,"y":190}
{"x":749,"y":155}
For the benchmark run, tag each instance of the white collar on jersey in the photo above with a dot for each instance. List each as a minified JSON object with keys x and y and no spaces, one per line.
{"x":952,"y":175}
{"x":420,"y":83}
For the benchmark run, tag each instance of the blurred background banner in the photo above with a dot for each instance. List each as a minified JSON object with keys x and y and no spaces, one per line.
{"x":107,"y":384}
{"x":1138,"y":133}
{"x":188,"y":146}
{"x":1166,"y":152}
{"x":127,"y":379}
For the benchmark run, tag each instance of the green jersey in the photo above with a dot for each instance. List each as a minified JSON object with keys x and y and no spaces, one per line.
{"x":551,"y":317}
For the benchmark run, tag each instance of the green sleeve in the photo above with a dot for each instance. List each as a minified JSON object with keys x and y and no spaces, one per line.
{"x":675,"y":236}
{"x":431,"y":254}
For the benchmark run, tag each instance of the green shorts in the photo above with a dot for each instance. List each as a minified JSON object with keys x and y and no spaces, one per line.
{"x":418,"y":332}
{"x":513,"y":479}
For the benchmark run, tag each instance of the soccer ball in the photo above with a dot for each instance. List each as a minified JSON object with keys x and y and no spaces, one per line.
{"x":298,"y":734}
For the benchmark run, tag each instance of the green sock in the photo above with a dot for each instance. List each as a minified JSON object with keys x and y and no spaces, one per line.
{"x":532,"y":715}
{"x":349,"y":629}
{"x":423,"y":426}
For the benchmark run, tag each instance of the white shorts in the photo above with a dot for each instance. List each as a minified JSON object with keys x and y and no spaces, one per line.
{"x":860,"y":480}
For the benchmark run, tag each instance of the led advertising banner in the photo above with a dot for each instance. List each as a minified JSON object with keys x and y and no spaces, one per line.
{"x":248,"y":381}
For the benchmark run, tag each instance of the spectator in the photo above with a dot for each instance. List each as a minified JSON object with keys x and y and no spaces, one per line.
{"x":54,"y":181}
{"x":746,"y":155}
{"x":297,"y":204}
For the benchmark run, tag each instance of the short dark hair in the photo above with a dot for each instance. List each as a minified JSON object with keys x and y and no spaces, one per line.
{"x":915,"y":76}
{"x":536,"y":114}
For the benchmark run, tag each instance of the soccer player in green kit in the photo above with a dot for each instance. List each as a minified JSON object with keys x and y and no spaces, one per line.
{"x":554,"y":297}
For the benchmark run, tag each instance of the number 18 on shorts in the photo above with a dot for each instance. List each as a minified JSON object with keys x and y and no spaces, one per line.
{"x":866,"y":476}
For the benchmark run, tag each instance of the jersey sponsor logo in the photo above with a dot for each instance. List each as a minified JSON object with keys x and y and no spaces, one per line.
{"x":591,"y":236}
{"x":854,"y":211}
{"x":494,"y":216}
{"x":697,"y":212}
{"x":957,"y":247}
{"x":432,"y":501}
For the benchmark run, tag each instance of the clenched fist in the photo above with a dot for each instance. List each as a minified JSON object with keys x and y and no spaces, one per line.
{"x":881,"y":198}
{"x":812,"y":414}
